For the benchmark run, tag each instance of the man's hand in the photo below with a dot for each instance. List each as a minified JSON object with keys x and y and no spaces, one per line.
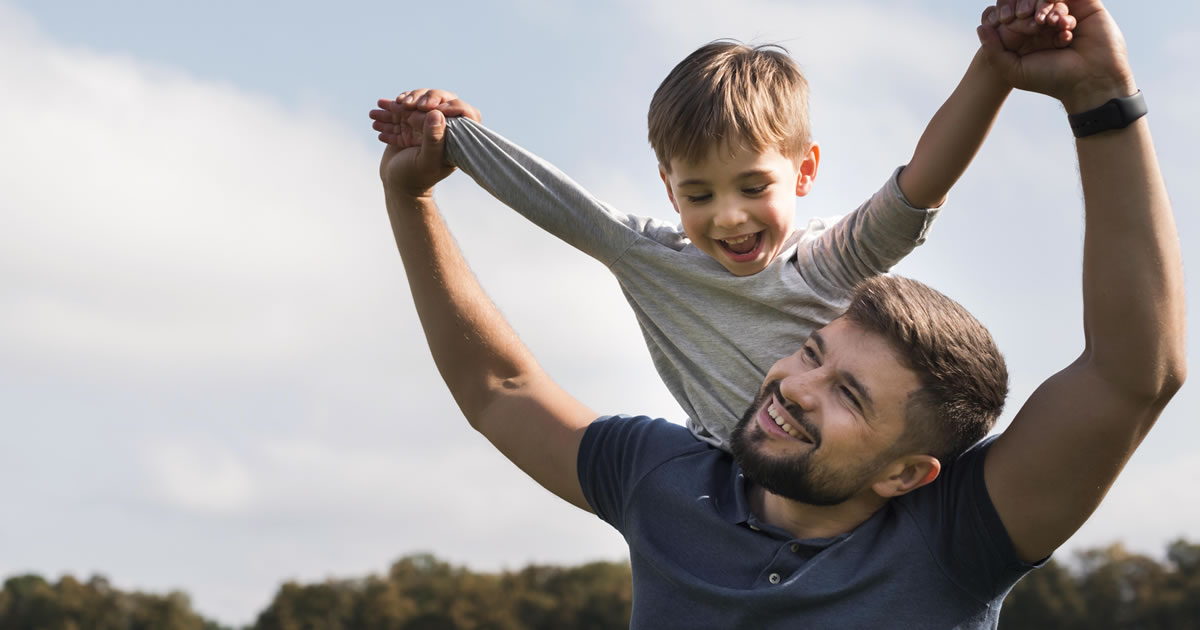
{"x":401,"y":120}
{"x":1030,"y":26}
{"x":412,"y":162}
{"x":1085,"y":75}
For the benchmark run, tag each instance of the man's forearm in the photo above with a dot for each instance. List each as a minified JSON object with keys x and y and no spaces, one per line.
{"x":954,"y":136}
{"x":1132,"y":272}
{"x":473,"y":346}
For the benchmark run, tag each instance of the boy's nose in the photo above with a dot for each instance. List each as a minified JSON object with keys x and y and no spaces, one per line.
{"x":730,"y":216}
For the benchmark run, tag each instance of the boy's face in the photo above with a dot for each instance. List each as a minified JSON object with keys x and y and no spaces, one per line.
{"x":739,"y":207}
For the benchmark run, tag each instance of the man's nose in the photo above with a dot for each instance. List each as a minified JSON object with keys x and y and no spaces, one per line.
{"x":801,"y":389}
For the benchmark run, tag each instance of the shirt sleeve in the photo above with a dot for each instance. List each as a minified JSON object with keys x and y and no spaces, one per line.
{"x":540,"y":192}
{"x":835,"y":255}
{"x":619,"y":451}
{"x":963,"y":530}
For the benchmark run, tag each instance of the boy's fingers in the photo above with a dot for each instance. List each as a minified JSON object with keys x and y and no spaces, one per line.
{"x":457,"y":107}
{"x":410,"y":99}
{"x":1025,"y":8}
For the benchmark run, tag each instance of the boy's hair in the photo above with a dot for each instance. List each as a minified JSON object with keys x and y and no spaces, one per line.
{"x":963,"y":376}
{"x":727,"y":92}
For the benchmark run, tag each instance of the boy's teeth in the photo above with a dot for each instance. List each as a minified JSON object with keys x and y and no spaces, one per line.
{"x":735,"y":241}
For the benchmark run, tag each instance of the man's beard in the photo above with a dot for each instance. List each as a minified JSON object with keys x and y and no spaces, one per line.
{"x":796,"y":477}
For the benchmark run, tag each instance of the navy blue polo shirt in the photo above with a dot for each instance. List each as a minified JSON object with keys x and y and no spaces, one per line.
{"x":938,"y":557}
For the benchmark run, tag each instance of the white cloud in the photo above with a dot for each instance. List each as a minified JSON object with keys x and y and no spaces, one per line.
{"x":201,"y":479}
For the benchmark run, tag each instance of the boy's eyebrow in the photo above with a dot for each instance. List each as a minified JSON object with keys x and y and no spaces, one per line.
{"x":854,"y":383}
{"x":696,"y":181}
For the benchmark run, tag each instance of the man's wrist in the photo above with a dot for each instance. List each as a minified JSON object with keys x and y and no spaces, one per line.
{"x":408,"y":201}
{"x":1092,"y":95}
{"x":1116,"y":113}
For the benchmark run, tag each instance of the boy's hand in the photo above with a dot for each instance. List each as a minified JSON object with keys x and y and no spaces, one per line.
{"x":402,"y":119}
{"x":1029,"y":26}
{"x":1094,"y":69}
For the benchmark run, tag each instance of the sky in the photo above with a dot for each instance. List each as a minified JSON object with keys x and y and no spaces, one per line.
{"x":211,"y":374}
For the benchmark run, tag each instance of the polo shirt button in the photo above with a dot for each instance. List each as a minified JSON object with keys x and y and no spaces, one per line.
{"x":795,"y":548}
{"x":773,"y":578}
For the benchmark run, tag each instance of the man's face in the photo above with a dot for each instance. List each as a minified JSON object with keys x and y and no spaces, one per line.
{"x":739,"y":207}
{"x":828,"y":418}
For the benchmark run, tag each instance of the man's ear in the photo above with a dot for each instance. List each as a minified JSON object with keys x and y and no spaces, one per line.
{"x":906,"y":474}
{"x":667,"y":182}
{"x":808,"y":170}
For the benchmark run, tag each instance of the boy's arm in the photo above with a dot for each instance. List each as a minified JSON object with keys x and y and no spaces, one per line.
{"x":518,"y":178}
{"x":1050,"y":469}
{"x":959,"y":127}
{"x":873,"y":238}
{"x":495,"y":380}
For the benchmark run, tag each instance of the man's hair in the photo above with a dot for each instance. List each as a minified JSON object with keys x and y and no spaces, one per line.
{"x":963,"y":376}
{"x":728,"y":93}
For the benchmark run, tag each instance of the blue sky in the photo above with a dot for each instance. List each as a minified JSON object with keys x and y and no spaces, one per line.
{"x":211,"y":376}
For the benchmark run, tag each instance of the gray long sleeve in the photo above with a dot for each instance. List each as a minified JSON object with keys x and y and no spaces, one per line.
{"x":712,"y":335}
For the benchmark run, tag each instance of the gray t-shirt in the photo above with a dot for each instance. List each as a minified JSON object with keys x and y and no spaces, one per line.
{"x":937,"y":558}
{"x":712,"y":335}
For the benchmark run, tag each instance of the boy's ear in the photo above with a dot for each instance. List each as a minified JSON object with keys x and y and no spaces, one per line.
{"x":670,"y":193}
{"x":808,"y":170}
{"x":907,"y":474}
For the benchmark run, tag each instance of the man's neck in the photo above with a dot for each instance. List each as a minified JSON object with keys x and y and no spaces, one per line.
{"x":805,"y":521}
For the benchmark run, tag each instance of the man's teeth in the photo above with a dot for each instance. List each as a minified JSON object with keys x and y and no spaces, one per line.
{"x":787,"y":428}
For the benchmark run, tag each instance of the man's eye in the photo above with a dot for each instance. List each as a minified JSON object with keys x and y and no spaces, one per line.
{"x":810,"y":353}
{"x":698,"y":198}
{"x":850,"y":396}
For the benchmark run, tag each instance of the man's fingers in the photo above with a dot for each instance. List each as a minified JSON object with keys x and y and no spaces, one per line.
{"x":990,"y":17}
{"x":432,"y":146}
{"x":1007,"y":10}
{"x":1025,"y":8}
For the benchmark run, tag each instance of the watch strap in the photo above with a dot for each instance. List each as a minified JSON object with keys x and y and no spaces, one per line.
{"x":1118,"y":113}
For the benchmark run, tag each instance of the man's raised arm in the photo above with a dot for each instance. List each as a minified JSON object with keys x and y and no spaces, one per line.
{"x":498,"y":385}
{"x":1049,"y":471}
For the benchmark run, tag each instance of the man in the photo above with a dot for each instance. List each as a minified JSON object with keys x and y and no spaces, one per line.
{"x":843,"y":505}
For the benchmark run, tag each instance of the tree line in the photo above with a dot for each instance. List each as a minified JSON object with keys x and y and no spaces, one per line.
{"x":1106,"y":588}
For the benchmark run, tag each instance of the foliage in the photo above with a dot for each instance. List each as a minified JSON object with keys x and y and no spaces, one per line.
{"x":421,"y":592}
{"x":29,"y":602}
{"x":1109,"y":588}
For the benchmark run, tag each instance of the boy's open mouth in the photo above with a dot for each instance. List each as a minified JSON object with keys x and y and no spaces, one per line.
{"x":742,"y":248}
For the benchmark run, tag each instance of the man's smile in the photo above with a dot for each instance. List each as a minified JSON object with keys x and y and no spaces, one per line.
{"x":779,"y":421}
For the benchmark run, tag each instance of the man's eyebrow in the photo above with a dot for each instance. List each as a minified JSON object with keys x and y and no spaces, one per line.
{"x":864,"y":394}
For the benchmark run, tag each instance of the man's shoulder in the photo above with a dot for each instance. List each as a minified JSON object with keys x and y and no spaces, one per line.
{"x":642,"y":436}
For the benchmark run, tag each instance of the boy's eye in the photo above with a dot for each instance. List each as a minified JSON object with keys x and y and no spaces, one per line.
{"x":698,"y":198}
{"x":757,"y":190}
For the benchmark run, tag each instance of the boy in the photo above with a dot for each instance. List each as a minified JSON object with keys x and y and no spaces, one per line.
{"x":734,"y":287}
